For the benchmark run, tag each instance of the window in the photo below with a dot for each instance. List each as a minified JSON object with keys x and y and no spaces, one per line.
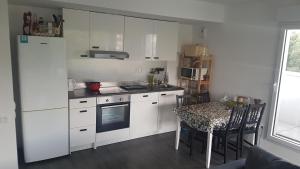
{"x":286,"y":102}
{"x":293,"y":56}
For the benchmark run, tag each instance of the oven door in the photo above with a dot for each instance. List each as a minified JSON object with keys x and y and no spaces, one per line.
{"x":113,"y":116}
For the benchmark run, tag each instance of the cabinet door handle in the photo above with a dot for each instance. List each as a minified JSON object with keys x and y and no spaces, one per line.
{"x":95,"y":47}
{"x":163,"y":94}
{"x":145,"y":96}
{"x":84,"y":56}
{"x":147,"y":58}
{"x":83,"y":111}
{"x":154,"y":102}
{"x":83,"y":102}
{"x":82,"y":130}
{"x":156,"y":57}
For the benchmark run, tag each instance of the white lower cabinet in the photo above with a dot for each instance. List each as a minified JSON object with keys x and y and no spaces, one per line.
{"x":82,"y":113}
{"x":143,"y":115}
{"x":82,"y":117}
{"x":150,"y":113}
{"x":167,"y":120}
{"x":82,"y":135}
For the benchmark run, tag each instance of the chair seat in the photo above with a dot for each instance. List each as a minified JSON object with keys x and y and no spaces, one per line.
{"x":249,"y":129}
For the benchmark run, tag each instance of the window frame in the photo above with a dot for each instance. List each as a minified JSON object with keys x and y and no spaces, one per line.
{"x":276,"y":87}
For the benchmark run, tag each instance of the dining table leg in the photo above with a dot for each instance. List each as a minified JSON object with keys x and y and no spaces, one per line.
{"x":208,"y":148}
{"x":177,"y":133}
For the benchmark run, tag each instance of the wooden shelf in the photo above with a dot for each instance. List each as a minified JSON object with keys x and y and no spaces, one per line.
{"x":204,"y":82}
{"x":199,"y":62}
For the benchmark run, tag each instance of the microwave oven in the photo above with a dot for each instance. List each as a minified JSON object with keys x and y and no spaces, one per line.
{"x":190,"y":73}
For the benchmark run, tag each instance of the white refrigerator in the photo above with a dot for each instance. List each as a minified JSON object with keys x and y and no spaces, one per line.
{"x":44,"y":99}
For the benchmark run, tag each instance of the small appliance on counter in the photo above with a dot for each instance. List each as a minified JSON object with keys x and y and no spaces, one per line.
{"x":158,"y":76}
{"x":93,"y":86}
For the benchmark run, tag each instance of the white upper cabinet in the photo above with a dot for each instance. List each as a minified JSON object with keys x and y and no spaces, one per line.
{"x":147,"y":39}
{"x":106,"y":32}
{"x":165,"y":40}
{"x":138,"y":38}
{"x":143,"y":39}
{"x":76,"y":32}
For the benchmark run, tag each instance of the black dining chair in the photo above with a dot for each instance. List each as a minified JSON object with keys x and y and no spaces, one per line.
{"x":203,"y":97}
{"x":183,"y":100}
{"x":231,"y":130}
{"x":251,"y":124}
{"x":200,"y":135}
{"x":186,"y":134}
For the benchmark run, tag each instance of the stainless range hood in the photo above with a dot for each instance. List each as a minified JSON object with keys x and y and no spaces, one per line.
{"x":108,"y":54}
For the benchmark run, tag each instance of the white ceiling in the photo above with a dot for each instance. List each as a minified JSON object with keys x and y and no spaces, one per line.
{"x":271,"y":2}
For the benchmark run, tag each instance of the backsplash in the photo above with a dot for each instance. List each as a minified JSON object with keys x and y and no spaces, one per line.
{"x":110,"y":70}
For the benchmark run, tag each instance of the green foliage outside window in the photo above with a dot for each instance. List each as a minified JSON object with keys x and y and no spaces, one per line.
{"x":293,"y":61}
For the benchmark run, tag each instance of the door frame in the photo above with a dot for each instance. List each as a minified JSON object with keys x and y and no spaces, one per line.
{"x":276,"y":87}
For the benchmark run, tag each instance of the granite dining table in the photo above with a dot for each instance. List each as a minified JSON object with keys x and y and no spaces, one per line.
{"x":204,"y":117}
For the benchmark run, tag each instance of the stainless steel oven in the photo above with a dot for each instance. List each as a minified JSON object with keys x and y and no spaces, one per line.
{"x":113,"y":113}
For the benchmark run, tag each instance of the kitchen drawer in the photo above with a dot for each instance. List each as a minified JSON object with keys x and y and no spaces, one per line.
{"x":82,"y":103}
{"x":82,"y":117}
{"x":82,"y":135}
{"x":170,"y":93}
{"x":144,"y":97}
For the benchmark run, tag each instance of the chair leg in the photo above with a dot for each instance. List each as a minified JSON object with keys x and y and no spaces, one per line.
{"x":218,"y":143}
{"x":225,"y":149}
{"x":237,"y":147}
{"x":241,"y":145}
{"x":191,"y":142}
{"x":255,"y":136}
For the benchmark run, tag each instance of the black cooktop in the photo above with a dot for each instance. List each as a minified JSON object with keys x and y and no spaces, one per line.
{"x":134,"y":87}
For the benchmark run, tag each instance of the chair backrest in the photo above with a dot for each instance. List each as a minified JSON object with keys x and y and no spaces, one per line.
{"x":203,"y":98}
{"x":237,"y":117}
{"x":183,"y":100}
{"x":254,"y":115}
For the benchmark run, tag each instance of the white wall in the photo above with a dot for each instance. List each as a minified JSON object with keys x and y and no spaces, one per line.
{"x":185,"y":36}
{"x":289,"y":14}
{"x":245,"y":48}
{"x":110,"y":70}
{"x":8,"y":146}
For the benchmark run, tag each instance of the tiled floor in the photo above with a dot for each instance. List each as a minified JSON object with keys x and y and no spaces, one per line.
{"x":155,"y":152}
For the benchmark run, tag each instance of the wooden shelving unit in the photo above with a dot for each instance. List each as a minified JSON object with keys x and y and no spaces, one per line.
{"x":197,"y":58}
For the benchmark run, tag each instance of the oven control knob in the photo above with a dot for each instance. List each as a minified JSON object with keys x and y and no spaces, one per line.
{"x":107,"y":100}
